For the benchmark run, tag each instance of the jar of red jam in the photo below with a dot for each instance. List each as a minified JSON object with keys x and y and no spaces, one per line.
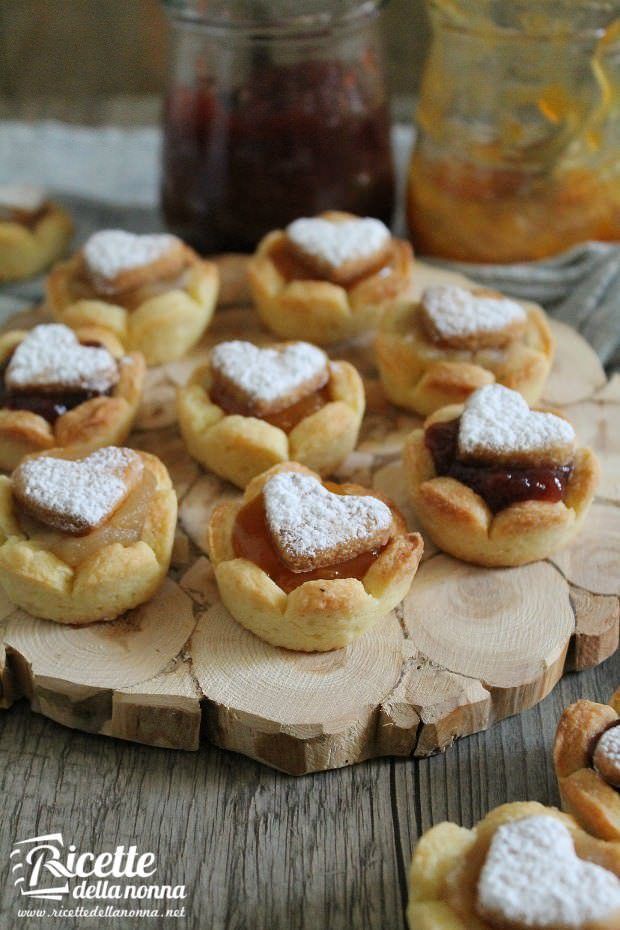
{"x":275,"y":110}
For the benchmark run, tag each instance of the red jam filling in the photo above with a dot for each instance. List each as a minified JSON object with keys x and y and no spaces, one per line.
{"x":499,"y":486}
{"x":286,"y":419}
{"x":47,"y":404}
{"x":252,"y":540}
{"x":293,"y":140}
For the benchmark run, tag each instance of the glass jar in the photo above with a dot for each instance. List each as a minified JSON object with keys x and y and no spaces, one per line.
{"x":275,"y":110}
{"x":518,"y":147}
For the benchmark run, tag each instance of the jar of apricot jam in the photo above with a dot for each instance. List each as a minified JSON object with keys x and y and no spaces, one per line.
{"x":518,"y":145}
{"x":275,"y":110}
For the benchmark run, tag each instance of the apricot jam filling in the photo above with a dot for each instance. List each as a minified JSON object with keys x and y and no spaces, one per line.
{"x":47,"y":404}
{"x":125,"y":526}
{"x":498,"y":486}
{"x":286,"y":419}
{"x":293,"y":268}
{"x":251,"y":540}
{"x":478,"y":212}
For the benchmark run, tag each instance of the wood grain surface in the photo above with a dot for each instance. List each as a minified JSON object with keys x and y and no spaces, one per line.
{"x":258,"y":849}
{"x":468,"y":647}
{"x":263,"y":850}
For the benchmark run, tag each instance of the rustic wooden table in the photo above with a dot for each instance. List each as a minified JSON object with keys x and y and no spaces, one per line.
{"x":255,"y":848}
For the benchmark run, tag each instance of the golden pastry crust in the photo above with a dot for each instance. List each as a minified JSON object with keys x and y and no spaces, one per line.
{"x":28,"y":249}
{"x":239,"y":448}
{"x":114,"y":579}
{"x":318,"y":615}
{"x":420,"y":375}
{"x":459,"y":521}
{"x":100,"y":421}
{"x":163,"y":320}
{"x":585,"y":793}
{"x":448,"y":859}
{"x":320,"y":311}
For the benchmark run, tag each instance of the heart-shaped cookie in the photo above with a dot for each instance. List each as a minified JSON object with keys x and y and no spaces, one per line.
{"x":312,"y":527}
{"x":51,"y":358}
{"x":76,"y":496}
{"x":498,"y":427}
{"x":606,"y":757}
{"x":110,"y":251}
{"x":264,"y":381}
{"x":342,"y":249}
{"x":119,"y":260}
{"x":532,"y":878}
{"x":458,"y":318}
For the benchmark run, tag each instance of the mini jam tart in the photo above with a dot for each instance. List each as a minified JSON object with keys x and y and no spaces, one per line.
{"x":250,"y":408}
{"x":329,"y":277}
{"x":85,"y":539}
{"x":440,"y":349}
{"x":61,"y":389}
{"x":34,"y":231}
{"x":586,"y":756}
{"x":496,"y":483}
{"x":152,"y":291}
{"x":310,"y":566}
{"x":524,"y":867}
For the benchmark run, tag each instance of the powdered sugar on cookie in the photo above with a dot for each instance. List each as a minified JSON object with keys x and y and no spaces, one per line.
{"x":51,"y":358}
{"x":497,"y":426}
{"x":76,"y":496}
{"x":348,"y":245}
{"x":532,"y":878}
{"x":268,"y":380}
{"x":606,"y":757}
{"x":455,"y":316}
{"x":312,"y":527}
{"x":26,"y":198}
{"x":110,"y":252}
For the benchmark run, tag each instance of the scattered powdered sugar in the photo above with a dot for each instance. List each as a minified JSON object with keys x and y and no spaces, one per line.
{"x":308,"y":521}
{"x":606,"y":756}
{"x":26,"y":197}
{"x":335,"y":243}
{"x":533,"y":878}
{"x":111,"y":251}
{"x":455,"y":311}
{"x":268,"y":374}
{"x":497,"y":420}
{"x":78,"y":494}
{"x":51,"y":356}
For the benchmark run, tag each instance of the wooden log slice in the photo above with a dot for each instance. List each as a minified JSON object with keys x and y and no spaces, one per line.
{"x":298,"y":712}
{"x":87,"y":677}
{"x":468,"y":646}
{"x":509,"y":629}
{"x":592,"y":562}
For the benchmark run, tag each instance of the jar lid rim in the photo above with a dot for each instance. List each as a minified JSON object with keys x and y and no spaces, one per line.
{"x":320,"y":15}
